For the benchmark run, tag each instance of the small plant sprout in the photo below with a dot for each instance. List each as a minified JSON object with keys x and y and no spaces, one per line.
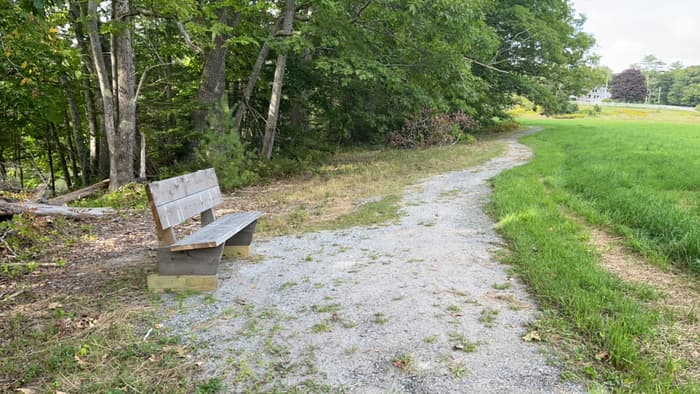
{"x":403,"y":361}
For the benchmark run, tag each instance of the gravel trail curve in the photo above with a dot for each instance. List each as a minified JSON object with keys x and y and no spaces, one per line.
{"x":420,"y":306}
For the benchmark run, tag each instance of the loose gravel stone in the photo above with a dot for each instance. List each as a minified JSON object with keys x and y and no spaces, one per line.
{"x":420,"y":306}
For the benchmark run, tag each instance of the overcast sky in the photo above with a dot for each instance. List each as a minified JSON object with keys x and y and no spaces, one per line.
{"x":628,"y":30}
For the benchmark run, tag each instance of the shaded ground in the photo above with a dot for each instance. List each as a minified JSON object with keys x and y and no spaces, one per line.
{"x":417,"y":306}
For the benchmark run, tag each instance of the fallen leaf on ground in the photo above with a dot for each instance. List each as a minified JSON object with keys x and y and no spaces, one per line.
{"x":532,"y":336}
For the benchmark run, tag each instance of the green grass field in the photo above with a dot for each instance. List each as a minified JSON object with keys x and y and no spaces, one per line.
{"x":638,"y":178}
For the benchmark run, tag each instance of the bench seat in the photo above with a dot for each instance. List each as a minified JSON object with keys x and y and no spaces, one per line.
{"x":216,"y":233}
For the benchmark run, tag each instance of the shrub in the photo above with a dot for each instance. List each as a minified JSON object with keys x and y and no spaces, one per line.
{"x":595,"y":110}
{"x":428,"y":128}
{"x":131,"y":195}
{"x":225,"y":152}
{"x":697,"y":107}
{"x":503,"y":127}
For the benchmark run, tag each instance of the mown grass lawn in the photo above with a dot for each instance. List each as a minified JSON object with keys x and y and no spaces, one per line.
{"x":640,"y":179}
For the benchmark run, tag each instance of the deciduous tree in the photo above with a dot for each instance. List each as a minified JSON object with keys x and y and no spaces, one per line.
{"x":629,"y":86}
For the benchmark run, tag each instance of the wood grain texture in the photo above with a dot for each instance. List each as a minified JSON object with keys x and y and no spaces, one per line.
{"x":172,"y":189}
{"x":216,"y":233}
{"x":175,"y":212}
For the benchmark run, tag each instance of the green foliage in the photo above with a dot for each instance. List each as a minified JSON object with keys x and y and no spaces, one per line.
{"x":353,"y":76}
{"x":129,"y":196}
{"x":595,"y":110}
{"x":226,"y":154}
{"x":581,"y":300}
{"x":506,"y":126}
{"x":22,"y":237}
{"x":697,"y":107}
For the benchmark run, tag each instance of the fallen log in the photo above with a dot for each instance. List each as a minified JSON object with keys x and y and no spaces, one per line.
{"x":81,"y":193}
{"x":9,"y":208}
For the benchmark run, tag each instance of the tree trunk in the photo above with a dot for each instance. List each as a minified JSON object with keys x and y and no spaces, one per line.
{"x":213,"y":82}
{"x":105,"y":86}
{"x":273,"y":112}
{"x":123,"y":153}
{"x":80,"y":194}
{"x":3,"y":170}
{"x":88,"y":153}
{"x":61,"y":151}
{"x":119,"y":117}
{"x":78,"y":138}
{"x":19,"y":171}
{"x":10,"y":208}
{"x":71,"y":148}
{"x":253,"y":79}
{"x":49,"y":155}
{"x":142,"y":157}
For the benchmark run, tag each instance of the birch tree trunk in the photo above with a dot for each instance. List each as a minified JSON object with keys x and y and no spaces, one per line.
{"x":103,"y":82}
{"x":253,"y":79}
{"x":275,"y":97}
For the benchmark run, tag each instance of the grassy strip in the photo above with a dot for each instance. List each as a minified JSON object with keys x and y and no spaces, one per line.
{"x":361,"y":187}
{"x":601,"y":321}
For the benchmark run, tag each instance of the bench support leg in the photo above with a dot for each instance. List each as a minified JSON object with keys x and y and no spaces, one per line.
{"x":239,"y":245}
{"x":189,"y":262}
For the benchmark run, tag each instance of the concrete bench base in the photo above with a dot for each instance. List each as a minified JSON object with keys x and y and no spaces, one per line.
{"x":159,"y":283}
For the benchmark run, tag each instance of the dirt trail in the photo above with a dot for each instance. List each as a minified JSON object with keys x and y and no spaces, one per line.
{"x":420,"y":306}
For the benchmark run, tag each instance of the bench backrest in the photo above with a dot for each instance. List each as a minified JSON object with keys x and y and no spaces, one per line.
{"x":177,"y":199}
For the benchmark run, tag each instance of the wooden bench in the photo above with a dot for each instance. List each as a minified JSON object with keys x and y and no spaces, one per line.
{"x":192,"y":262}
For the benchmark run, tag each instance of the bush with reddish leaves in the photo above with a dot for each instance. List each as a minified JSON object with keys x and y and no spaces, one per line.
{"x":429,"y":128}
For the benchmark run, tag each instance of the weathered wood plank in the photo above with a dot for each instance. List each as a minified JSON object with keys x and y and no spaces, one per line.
{"x":172,"y":189}
{"x":175,"y":212}
{"x":216,"y":233}
{"x":244,"y":237}
{"x":160,"y":283}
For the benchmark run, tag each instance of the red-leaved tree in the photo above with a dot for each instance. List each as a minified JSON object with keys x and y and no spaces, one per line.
{"x":629,"y":86}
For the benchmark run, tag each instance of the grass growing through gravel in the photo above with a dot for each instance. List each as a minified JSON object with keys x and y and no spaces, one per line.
{"x":360,"y":187}
{"x":96,"y":339}
{"x":636,"y":178}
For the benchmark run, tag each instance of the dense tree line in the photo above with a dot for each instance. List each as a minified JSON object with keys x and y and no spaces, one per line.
{"x":672,"y":85}
{"x":129,"y":89}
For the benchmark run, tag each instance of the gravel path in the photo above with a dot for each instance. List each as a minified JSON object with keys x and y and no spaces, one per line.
{"x":421,"y":306}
